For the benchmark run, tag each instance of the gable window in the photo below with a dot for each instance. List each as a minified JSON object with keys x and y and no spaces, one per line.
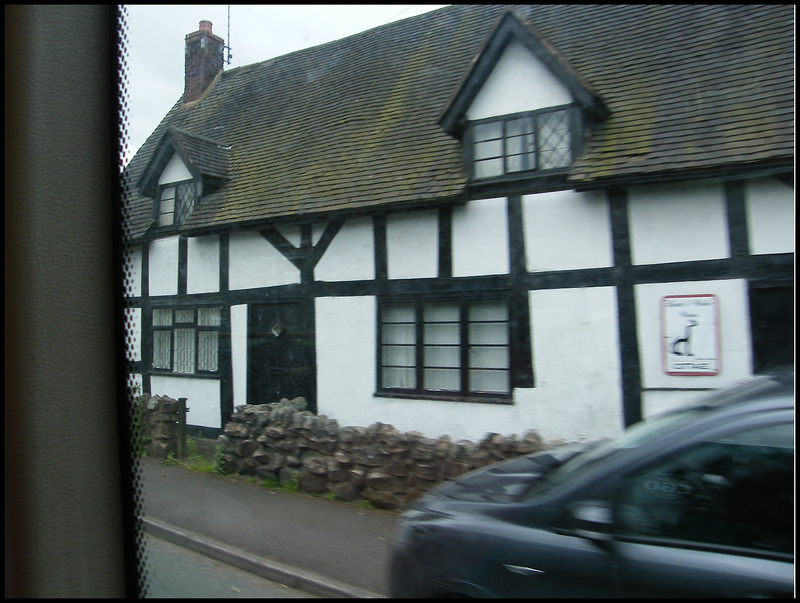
{"x":186,"y":340}
{"x":525,"y":142}
{"x":456,"y":347}
{"x":175,"y":202}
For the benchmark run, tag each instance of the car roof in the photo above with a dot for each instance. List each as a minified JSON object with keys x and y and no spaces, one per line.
{"x":778,"y":387}
{"x":767,"y":393}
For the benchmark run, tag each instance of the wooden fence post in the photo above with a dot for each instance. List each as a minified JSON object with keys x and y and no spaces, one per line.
{"x":181,"y":427}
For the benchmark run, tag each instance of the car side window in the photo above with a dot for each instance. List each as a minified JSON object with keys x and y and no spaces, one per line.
{"x":736,"y":491}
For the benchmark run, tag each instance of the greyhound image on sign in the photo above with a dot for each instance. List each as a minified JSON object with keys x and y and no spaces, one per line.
{"x":690,"y":334}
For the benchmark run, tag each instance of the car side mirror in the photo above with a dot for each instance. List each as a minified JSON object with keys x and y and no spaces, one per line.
{"x":592,"y":519}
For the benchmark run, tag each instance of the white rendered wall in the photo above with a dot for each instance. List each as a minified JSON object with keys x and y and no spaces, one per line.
{"x":202,"y":397}
{"x":132,"y":271}
{"x":346,"y":368}
{"x":202,"y":265}
{"x":175,"y":171}
{"x":480,"y":238}
{"x":163,"y":266}
{"x":412,"y":245}
{"x":519,"y":82}
{"x":678,"y":223}
{"x":770,"y":216}
{"x":577,"y":373}
{"x":662,"y":391}
{"x":254,"y":262}
{"x":351,"y":254}
{"x":567,"y":230}
{"x":239,"y":353}
{"x":576,"y":364}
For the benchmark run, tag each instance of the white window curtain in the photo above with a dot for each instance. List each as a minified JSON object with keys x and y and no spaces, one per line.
{"x":207,"y":346}
{"x":489,"y":362}
{"x":442,"y":340}
{"x":452,"y":331}
{"x":398,"y":346}
{"x":183,"y":345}
{"x":162,"y":346}
{"x":184,"y":350}
{"x":162,"y":339}
{"x":209,"y":317}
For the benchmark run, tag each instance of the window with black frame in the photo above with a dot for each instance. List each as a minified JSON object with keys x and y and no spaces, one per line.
{"x":450,"y":347}
{"x":522,"y":143}
{"x":186,"y":340}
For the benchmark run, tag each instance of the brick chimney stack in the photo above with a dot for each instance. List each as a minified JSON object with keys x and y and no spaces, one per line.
{"x":203,"y":61}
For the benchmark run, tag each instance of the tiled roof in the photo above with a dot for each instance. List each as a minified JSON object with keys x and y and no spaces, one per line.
{"x":209,"y":157}
{"x":351,"y":125}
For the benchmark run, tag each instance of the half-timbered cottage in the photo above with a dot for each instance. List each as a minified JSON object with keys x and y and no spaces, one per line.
{"x":480,"y":219}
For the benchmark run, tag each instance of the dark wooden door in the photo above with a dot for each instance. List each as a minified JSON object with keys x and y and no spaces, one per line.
{"x":772,"y":324}
{"x":281,"y":357}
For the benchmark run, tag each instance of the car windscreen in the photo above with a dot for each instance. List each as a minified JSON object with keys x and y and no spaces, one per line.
{"x":635,"y":436}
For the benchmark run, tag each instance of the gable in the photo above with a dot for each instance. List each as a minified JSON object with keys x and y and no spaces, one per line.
{"x":518,"y":82}
{"x":175,"y":171}
{"x":515,"y":67}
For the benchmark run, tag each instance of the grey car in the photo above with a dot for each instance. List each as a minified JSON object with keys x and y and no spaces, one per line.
{"x":696,"y":502}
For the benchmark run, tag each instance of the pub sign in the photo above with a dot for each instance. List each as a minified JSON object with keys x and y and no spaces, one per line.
{"x":690,"y":334}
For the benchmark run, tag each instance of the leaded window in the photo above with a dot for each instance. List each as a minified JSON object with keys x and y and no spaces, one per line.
{"x":531,"y":142}
{"x":176,"y":202}
{"x":186,"y":340}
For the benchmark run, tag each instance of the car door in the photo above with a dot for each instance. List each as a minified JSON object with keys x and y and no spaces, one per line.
{"x":489,"y":557}
{"x":716,"y":519}
{"x":564,"y":564}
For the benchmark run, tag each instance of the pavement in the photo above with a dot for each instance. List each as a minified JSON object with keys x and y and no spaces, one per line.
{"x":323,"y":547}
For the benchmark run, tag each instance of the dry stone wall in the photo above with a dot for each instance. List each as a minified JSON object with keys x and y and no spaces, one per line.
{"x":158,"y":425}
{"x":285,"y":442}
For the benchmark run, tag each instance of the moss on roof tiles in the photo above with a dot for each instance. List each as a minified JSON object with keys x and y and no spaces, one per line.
{"x":352,"y":124}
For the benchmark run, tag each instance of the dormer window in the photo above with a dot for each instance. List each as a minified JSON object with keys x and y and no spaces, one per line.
{"x":176,"y":201}
{"x":522,"y":143}
{"x":521,"y":111}
{"x":184,"y":169}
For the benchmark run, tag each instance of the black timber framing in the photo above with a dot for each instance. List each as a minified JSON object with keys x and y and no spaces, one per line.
{"x":519,"y":307}
{"x":183,"y":261}
{"x":626,"y":309}
{"x":224,"y":262}
{"x":306,"y":256}
{"x":225,"y":341}
{"x":381,"y":260}
{"x":757,"y":270}
{"x":446,"y":242}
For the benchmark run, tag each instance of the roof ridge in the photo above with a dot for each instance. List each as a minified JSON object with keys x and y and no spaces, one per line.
{"x":318,"y":47}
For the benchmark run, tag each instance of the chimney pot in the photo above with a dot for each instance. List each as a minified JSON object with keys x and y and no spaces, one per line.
{"x":205,"y":26}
